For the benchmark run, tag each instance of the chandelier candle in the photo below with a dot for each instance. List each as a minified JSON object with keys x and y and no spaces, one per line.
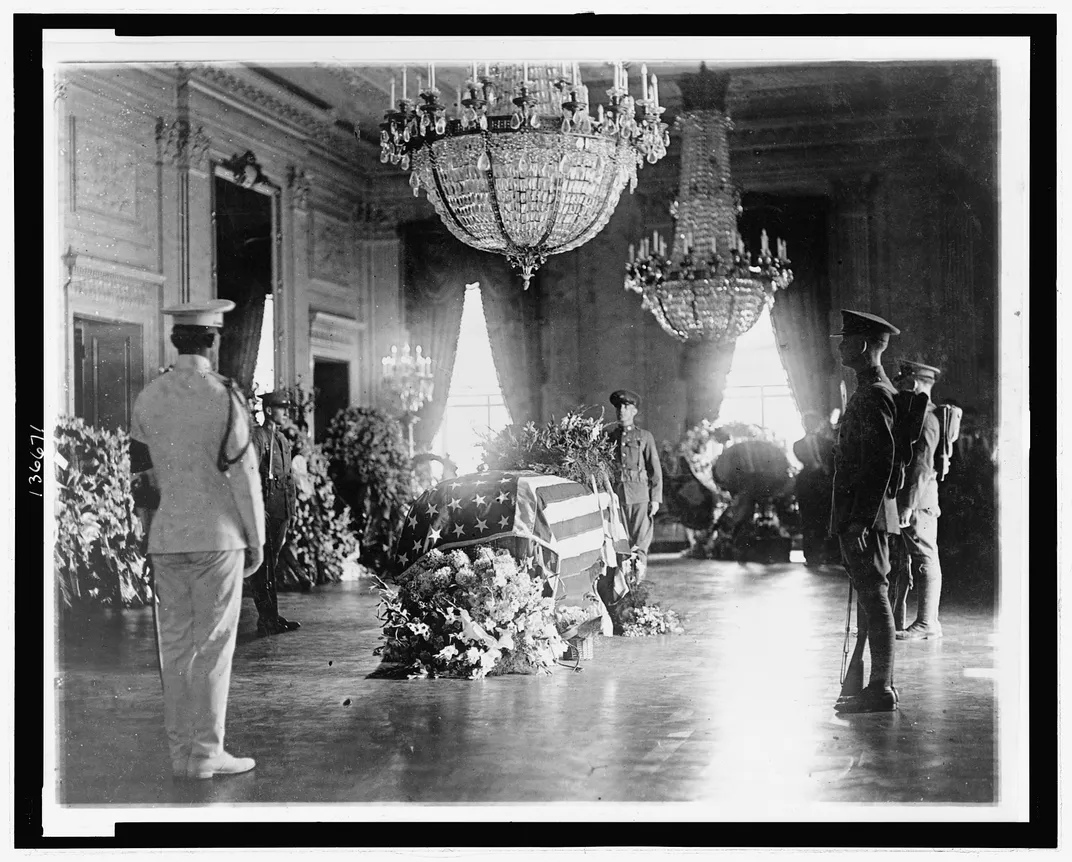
{"x":523,"y":169}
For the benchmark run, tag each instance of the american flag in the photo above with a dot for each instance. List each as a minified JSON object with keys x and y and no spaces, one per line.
{"x":568,"y":528}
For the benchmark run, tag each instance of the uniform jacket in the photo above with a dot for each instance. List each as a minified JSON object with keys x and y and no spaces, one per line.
{"x":182,"y":418}
{"x":277,"y":480}
{"x":920,"y":489}
{"x":864,"y":457}
{"x":642,"y":474}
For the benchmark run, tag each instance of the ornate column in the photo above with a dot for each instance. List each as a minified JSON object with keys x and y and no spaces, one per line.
{"x":295,"y":277}
{"x":180,"y":146}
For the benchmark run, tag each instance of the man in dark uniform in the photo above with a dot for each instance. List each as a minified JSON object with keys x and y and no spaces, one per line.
{"x":640,"y":490}
{"x":864,"y":510}
{"x":915,"y":556}
{"x":813,"y":487}
{"x":280,"y":501}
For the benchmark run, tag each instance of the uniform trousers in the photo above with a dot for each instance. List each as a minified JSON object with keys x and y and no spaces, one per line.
{"x":868,"y":571}
{"x":262,"y":582}
{"x":915,"y":563}
{"x":639,"y":525}
{"x":198,"y":600}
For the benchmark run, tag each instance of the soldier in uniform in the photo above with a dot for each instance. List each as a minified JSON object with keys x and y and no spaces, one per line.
{"x":915,"y":556}
{"x":640,"y":491}
{"x":190,"y":437}
{"x":280,"y":500}
{"x":864,"y":511}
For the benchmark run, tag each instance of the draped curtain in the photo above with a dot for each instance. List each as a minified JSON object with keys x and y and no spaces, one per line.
{"x":437,"y":268}
{"x":241,"y":337}
{"x":800,"y":330}
{"x":434,"y":288}
{"x":706,"y":367}
{"x":514,"y":332}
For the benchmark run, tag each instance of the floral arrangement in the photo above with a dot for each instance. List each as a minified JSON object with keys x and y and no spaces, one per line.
{"x":99,"y":543}
{"x":321,"y":534}
{"x":469,"y":613}
{"x":575,"y":447}
{"x":369,"y":463}
{"x":634,"y":617}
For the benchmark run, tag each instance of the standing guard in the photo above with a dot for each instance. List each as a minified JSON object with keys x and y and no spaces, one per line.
{"x":640,"y":488}
{"x":190,"y":436}
{"x":864,"y":508}
{"x":915,"y":556}
{"x":280,"y":502}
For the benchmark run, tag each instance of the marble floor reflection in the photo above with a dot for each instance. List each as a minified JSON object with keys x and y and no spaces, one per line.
{"x":737,"y":710}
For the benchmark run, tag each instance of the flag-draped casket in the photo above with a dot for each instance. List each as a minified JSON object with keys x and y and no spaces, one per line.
{"x":571,"y":531}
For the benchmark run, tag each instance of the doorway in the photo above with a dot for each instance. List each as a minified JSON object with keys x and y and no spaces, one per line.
{"x":331,"y":382}
{"x":108,"y":371}
{"x":244,"y":272}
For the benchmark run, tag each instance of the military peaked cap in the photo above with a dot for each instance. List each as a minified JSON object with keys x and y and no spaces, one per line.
{"x":918,"y":369}
{"x":208,"y":313}
{"x":862,"y":323}
{"x":624,"y":396}
{"x":279,"y":398}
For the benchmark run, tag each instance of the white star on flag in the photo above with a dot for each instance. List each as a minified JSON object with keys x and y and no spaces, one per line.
{"x":504,"y":481}
{"x":454,"y":505}
{"x":413,"y":520}
{"x":404,"y":558}
{"x":481,"y":525}
{"x":435,"y":534}
{"x":432,"y":510}
{"x":455,"y":485}
{"x":458,"y":529}
{"x":479,"y":500}
{"x":503,"y":497}
{"x":504,"y":522}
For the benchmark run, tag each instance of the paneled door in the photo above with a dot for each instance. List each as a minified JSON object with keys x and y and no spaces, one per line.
{"x":108,"y":371}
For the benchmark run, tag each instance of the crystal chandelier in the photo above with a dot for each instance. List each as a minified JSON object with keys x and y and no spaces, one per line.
{"x":408,"y":376}
{"x":709,"y":287}
{"x":523,"y":169}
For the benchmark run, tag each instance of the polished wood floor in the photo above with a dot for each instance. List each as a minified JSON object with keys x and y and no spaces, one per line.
{"x":737,"y":710}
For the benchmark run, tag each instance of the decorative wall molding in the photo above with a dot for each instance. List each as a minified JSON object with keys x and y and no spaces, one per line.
{"x":299,"y":181}
{"x":59,"y":88}
{"x":329,"y":254}
{"x":106,"y":178}
{"x":112,"y":287}
{"x":234,"y":86}
{"x":334,"y":335}
{"x":182,"y":145}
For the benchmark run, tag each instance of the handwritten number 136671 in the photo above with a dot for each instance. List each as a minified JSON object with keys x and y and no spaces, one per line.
{"x":37,"y":454}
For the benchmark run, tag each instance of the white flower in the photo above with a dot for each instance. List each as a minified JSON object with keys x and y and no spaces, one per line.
{"x":448,"y":652}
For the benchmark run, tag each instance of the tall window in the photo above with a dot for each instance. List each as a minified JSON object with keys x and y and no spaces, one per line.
{"x":475,"y":404}
{"x":757,"y":389}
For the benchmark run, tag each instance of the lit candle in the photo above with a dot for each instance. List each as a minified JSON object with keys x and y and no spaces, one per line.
{"x":785,"y":251}
{"x":576,"y":75}
{"x":474,"y":71}
{"x":525,"y":73}
{"x":599,"y":114}
{"x":632,"y":253}
{"x":405,"y":88}
{"x":420,"y":84}
{"x":655,"y":90}
{"x":486,"y":69}
{"x":763,"y":242}
{"x":644,"y":82}
{"x":431,"y":75}
{"x":714,"y":244}
{"x":655,"y":238}
{"x":392,"y":93}
{"x":625,"y":79}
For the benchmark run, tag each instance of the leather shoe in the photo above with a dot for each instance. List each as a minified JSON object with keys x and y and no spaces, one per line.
{"x":869,"y":700}
{"x":288,"y":625}
{"x":919,"y":633}
{"x":893,"y":688}
{"x":222,"y":764}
